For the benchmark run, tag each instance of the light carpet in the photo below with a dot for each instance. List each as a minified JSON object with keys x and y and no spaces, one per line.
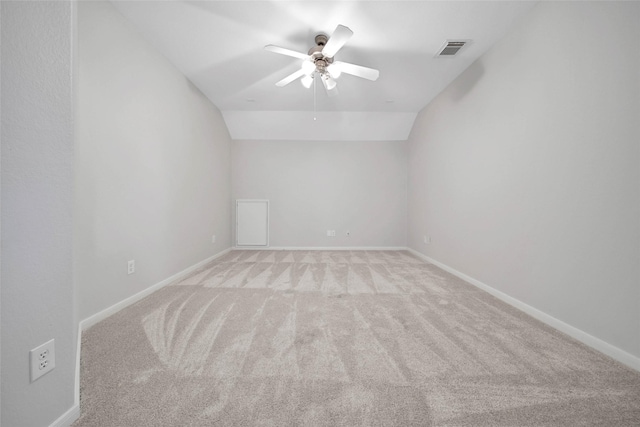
{"x":341,"y":338}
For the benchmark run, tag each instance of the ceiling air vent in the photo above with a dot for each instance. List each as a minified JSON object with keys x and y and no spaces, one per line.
{"x":451,"y":48}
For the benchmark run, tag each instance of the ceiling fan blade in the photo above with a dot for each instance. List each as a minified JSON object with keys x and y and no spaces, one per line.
{"x":357,"y":70}
{"x":339,"y":37}
{"x":290,"y":78}
{"x":287,"y":52}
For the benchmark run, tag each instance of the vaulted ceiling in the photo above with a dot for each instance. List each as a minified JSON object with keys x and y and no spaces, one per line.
{"x":219,"y":47}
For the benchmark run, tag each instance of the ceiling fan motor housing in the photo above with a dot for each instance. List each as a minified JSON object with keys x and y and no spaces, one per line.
{"x":321,"y":62}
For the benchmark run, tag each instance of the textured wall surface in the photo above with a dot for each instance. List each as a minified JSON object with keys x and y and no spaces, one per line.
{"x":37,"y":206}
{"x":525,"y":171}
{"x":153,"y":165}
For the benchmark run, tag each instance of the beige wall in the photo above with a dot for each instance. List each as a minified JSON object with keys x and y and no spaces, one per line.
{"x":153,"y":165}
{"x":525,"y":171}
{"x":313,"y":187}
{"x":37,"y":206}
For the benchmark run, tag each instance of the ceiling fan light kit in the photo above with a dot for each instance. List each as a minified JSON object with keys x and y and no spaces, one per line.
{"x":334,"y":70}
{"x":307,"y":81}
{"x":328,"y":82}
{"x":320,"y":61}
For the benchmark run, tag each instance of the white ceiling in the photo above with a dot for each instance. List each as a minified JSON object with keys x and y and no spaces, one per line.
{"x":219,"y":47}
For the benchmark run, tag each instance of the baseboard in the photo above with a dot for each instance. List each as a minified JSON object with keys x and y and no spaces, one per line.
{"x":321,"y":248}
{"x":68,"y":417}
{"x":76,"y":394}
{"x":612,"y":351}
{"x":92,"y":320}
{"x":73,"y":413}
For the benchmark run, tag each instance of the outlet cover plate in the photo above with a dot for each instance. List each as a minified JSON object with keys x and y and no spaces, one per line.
{"x":42,"y":359}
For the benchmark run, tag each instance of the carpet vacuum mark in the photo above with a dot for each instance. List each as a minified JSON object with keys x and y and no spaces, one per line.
{"x":340,"y":338}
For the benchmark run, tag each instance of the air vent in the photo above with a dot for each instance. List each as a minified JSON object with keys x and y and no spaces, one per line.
{"x":451,"y":48}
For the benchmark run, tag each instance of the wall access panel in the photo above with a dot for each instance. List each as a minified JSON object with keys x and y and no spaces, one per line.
{"x":252,"y":223}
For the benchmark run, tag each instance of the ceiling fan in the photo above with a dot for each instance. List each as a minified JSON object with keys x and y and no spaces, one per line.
{"x":320,"y":61}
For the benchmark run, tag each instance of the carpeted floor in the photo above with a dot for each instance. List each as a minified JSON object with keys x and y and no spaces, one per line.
{"x":340,"y":338}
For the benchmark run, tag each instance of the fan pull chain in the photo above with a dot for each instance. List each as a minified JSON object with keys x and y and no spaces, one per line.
{"x":314,"y":97}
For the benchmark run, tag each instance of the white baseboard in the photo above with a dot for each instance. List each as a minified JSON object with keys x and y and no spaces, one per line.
{"x":612,"y":351}
{"x":320,"y":248}
{"x":76,"y":394}
{"x":68,"y":417}
{"x":92,"y":320}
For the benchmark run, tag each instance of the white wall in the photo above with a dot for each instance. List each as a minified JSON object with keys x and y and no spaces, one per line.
{"x":37,"y":205}
{"x":316,"y":186}
{"x":153,"y":165}
{"x":526,"y":170}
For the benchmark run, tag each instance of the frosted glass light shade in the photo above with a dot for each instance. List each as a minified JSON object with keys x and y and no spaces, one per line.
{"x":329,"y":83}
{"x":308,"y":67}
{"x":334,"y":70}
{"x":306,"y":81}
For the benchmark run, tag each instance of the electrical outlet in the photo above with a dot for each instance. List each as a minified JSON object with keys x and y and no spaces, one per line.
{"x":42,"y":359}
{"x":213,"y":238}
{"x":427,"y":239}
{"x":331,"y":233}
{"x":131,"y":266}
